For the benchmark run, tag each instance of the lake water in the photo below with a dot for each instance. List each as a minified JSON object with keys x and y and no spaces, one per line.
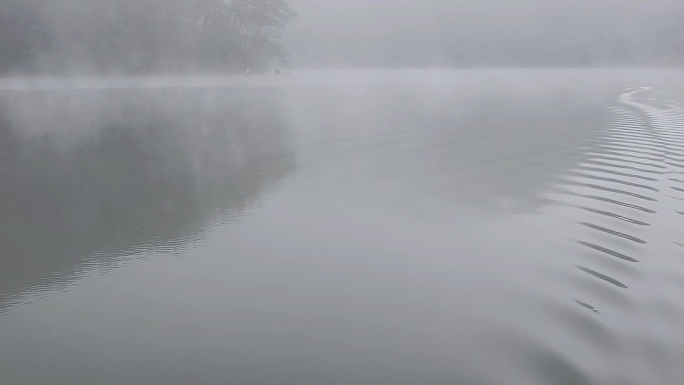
{"x":398,"y":227}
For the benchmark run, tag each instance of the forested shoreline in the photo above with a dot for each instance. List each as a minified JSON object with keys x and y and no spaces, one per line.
{"x":141,"y":36}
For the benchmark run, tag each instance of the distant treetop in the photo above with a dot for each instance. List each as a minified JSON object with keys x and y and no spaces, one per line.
{"x":141,"y":36}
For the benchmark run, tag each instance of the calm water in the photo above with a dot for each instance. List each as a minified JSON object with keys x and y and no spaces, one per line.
{"x":472,"y":227}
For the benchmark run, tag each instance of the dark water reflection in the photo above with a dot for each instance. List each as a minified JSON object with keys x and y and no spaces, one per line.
{"x":89,"y":177}
{"x":473,"y":227}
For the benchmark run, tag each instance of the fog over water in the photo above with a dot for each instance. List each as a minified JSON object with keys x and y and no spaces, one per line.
{"x":497,"y":226}
{"x":359,"y":192}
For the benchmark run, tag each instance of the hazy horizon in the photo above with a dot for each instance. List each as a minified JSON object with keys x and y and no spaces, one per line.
{"x":209,"y":37}
{"x":491,"y":33}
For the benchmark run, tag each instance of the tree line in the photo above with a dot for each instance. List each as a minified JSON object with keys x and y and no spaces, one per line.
{"x":141,"y":36}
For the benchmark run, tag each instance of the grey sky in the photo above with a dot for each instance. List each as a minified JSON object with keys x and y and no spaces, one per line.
{"x":420,"y":33}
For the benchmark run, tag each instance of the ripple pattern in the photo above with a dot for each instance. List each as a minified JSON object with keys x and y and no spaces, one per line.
{"x":628,"y":190}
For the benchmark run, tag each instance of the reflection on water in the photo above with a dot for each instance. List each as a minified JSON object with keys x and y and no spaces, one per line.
{"x":495,"y":227}
{"x":89,"y":177}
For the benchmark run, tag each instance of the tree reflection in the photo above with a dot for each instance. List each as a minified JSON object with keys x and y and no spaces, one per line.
{"x":90,"y":176}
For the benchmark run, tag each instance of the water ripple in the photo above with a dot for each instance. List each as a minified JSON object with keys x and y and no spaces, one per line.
{"x":618,"y":181}
{"x":618,"y":173}
{"x":641,"y":149}
{"x":586,"y":305}
{"x":615,"y":233}
{"x":615,"y":216}
{"x":607,"y":251}
{"x":619,"y":166}
{"x":603,"y":277}
{"x":612,"y":190}
{"x":607,"y":200}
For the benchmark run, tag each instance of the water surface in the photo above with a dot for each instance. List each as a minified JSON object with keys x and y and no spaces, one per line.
{"x":460,"y":227}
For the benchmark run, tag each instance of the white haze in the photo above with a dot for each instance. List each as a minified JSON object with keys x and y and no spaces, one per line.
{"x":487,"y":33}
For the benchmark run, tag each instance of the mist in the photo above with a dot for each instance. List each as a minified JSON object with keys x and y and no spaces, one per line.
{"x":325,"y":192}
{"x":489,"y":33}
{"x":208,"y":36}
{"x":125,"y":37}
